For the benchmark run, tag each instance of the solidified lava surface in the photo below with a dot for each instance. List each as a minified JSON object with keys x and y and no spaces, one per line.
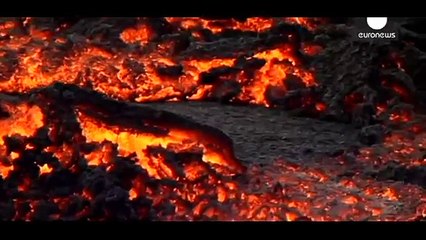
{"x":262,"y":135}
{"x":308,"y":124}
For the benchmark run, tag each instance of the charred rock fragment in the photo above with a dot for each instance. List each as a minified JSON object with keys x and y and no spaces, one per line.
{"x":171,"y":71}
{"x":225,"y":91}
{"x":372,"y":134}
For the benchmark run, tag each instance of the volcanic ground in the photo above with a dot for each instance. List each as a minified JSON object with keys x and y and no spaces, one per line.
{"x":263,"y":135}
{"x":170,"y":118}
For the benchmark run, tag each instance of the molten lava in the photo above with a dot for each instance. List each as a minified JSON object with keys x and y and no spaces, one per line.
{"x":145,"y":75}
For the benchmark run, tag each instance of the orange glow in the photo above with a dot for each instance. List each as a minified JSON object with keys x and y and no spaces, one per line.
{"x":45,"y":169}
{"x":25,"y":121}
{"x":256,"y":24}
{"x":140,"y":33}
{"x":309,"y":23}
{"x":120,"y":74}
{"x":320,"y":107}
{"x":311,"y":50}
{"x":132,"y":194}
{"x":133,"y":142}
{"x":87,"y":194}
{"x":291,"y":216}
{"x":400,"y":117}
{"x":380,"y":108}
{"x":350,"y":200}
{"x":390,"y":194}
{"x":5,"y":170}
{"x":25,"y":185}
{"x":14,"y":155}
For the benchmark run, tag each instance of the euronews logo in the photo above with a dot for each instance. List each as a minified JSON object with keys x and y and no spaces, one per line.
{"x":376,"y":28}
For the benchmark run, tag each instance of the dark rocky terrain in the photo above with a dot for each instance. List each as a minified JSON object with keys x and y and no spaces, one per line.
{"x":263,"y":135}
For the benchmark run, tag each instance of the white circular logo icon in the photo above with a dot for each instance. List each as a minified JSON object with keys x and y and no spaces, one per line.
{"x":377,"y":23}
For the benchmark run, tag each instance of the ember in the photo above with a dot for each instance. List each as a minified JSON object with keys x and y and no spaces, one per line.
{"x":81,"y":138}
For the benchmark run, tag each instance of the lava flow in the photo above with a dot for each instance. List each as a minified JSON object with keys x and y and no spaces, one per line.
{"x":162,"y":70}
{"x":77,"y":144}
